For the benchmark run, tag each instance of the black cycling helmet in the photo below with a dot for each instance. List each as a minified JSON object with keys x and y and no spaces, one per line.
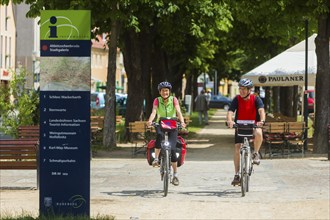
{"x":164,"y":85}
{"x":246,"y":83}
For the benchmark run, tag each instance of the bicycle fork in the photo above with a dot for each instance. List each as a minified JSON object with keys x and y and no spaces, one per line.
{"x":165,"y":147}
{"x":246,"y":152}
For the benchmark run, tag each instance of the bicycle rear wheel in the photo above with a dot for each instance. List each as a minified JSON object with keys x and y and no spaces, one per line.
{"x":244,"y":172}
{"x":166,"y":170}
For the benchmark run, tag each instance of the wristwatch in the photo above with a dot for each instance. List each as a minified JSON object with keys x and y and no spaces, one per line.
{"x":263,"y":122}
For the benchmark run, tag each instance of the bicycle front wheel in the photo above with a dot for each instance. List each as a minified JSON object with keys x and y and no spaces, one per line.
{"x":166,"y":170}
{"x":244,"y":172}
{"x":248,"y":169}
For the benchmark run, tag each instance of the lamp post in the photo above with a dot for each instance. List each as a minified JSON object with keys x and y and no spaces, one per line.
{"x":306,"y":86}
{"x":215,"y":92}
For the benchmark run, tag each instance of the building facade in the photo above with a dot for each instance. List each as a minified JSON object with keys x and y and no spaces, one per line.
{"x":7,"y":43}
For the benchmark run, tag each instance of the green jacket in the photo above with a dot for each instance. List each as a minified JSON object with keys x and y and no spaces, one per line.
{"x":167,"y":110}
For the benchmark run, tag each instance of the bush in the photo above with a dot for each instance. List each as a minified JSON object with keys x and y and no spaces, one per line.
{"x":18,"y":105}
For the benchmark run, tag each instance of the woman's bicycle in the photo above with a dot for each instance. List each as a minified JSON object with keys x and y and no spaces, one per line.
{"x":245,"y":129}
{"x":166,"y":125}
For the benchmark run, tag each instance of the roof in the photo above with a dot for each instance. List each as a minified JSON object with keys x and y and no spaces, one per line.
{"x":287,"y":68}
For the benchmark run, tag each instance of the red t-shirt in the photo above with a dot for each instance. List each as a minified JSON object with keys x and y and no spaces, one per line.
{"x":247,"y":108}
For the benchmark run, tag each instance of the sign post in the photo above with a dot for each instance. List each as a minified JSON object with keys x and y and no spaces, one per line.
{"x":64,"y":159}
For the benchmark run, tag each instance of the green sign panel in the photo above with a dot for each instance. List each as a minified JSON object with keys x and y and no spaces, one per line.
{"x":65,"y":25}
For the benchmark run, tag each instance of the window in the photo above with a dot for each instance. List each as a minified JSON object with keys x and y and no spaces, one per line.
{"x":9,"y":52}
{"x":6,"y":18}
{"x":6,"y":57}
{"x":1,"y":48}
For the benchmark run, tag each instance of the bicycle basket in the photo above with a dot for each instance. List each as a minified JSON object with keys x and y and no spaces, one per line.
{"x":168,"y":124}
{"x":245,"y":128}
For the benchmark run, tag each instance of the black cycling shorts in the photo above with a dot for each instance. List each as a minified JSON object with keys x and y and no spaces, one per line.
{"x":172,"y":138}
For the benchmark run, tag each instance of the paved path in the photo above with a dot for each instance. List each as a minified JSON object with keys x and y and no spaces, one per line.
{"x":128,"y":188}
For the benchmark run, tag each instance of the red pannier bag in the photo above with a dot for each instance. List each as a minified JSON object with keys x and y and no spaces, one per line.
{"x":181,"y":150}
{"x":151,"y":151}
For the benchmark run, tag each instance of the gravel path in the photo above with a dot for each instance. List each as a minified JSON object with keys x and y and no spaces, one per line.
{"x":128,"y":188}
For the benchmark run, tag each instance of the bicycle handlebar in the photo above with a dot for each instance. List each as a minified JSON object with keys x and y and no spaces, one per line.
{"x":237,"y":125}
{"x":155,"y":124}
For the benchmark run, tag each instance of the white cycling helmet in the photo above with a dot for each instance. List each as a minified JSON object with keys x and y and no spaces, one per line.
{"x":164,"y":85}
{"x":245,"y":83}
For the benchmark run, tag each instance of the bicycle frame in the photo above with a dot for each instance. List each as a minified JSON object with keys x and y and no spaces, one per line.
{"x":165,"y":163}
{"x":165,"y":160}
{"x":246,"y":165}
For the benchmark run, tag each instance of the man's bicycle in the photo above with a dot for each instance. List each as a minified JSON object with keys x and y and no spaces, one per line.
{"x":166,"y":125}
{"x":245,"y":129}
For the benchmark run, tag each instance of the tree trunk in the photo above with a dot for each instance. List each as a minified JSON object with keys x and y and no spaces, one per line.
{"x":276,"y":100}
{"x":136,"y":86}
{"x":159,"y":67}
{"x":146,"y":50}
{"x":322,"y":93}
{"x":267,"y":99}
{"x":286,"y":101}
{"x":109,"y":132}
{"x":282,"y":100}
{"x":295,"y":101}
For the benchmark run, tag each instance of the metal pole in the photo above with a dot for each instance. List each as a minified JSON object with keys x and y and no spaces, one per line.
{"x":306,"y":86}
{"x":216,"y":83}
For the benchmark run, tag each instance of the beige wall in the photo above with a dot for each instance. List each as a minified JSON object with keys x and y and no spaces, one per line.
{"x":99,"y":63}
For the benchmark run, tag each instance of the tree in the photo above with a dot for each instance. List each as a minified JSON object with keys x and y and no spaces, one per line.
{"x":165,"y":39}
{"x":322,"y":113}
{"x":104,"y":20}
{"x":282,"y":21}
{"x":164,"y":49}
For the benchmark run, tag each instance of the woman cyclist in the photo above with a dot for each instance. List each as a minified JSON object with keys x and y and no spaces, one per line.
{"x":166,"y":106}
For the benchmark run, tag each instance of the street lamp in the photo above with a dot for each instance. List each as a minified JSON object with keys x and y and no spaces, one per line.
{"x":306,"y":86}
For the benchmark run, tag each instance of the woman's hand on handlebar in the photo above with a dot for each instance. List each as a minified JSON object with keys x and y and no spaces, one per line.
{"x":149,"y":124}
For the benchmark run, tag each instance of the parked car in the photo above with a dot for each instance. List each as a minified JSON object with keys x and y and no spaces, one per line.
{"x":98,"y":100}
{"x":220,"y":101}
{"x":121,"y":100}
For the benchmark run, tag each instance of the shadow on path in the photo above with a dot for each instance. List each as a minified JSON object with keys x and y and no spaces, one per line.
{"x":214,"y":142}
{"x":159,"y":193}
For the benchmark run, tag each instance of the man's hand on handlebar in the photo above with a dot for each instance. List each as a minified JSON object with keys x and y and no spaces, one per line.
{"x":230,"y":124}
{"x":260,"y":123}
{"x":183,"y":124}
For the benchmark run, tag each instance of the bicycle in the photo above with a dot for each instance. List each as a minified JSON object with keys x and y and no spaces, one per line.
{"x":245,"y":129}
{"x":166,"y":125}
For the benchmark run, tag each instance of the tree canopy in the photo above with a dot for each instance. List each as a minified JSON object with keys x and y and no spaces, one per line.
{"x":162,"y":40}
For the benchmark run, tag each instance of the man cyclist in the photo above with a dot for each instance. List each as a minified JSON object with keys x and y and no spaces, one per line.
{"x":246,"y":106}
{"x":166,"y":106}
